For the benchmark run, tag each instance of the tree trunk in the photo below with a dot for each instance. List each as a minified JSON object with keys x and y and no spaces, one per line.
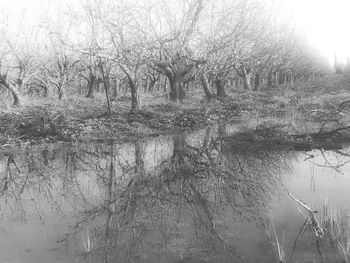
{"x":269,"y":80}
{"x":206,"y":86}
{"x":105,"y":79}
{"x":92,"y":83}
{"x":134,"y":95}
{"x":177,"y":93}
{"x":61,"y":92}
{"x":257,"y":81}
{"x":115,"y":88}
{"x":14,"y":92}
{"x":247,"y":81}
{"x":220,"y":87}
{"x":179,"y":149}
{"x":281,"y":76}
{"x":61,"y":86}
{"x":16,"y":97}
{"x":106,"y":88}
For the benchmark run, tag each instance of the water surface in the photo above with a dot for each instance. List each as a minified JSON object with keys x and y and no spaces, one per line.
{"x":183,"y":198}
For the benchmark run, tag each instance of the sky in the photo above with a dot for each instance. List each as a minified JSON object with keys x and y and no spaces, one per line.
{"x":326,"y":23}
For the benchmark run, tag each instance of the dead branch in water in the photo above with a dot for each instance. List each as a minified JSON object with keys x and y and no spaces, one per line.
{"x":319,"y":232}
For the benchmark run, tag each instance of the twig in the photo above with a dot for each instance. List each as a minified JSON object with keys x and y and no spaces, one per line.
{"x":308,"y":208}
{"x":319,"y":232}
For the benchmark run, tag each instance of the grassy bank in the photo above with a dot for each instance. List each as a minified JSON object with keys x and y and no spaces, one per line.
{"x":300,"y":113}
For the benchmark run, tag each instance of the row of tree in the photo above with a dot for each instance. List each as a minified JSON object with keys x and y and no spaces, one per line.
{"x":154,"y":45}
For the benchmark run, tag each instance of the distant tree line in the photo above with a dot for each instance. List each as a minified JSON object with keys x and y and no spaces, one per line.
{"x":341,"y":67}
{"x":168,"y":47}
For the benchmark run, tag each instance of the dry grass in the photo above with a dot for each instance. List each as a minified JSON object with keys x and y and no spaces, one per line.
{"x":335,"y":228}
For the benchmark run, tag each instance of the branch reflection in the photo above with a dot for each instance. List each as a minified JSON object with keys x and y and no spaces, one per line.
{"x":183,"y":199}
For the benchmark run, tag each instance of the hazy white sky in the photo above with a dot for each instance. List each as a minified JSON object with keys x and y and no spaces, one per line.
{"x":325,"y":22}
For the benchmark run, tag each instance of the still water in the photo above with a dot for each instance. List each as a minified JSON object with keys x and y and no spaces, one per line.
{"x":183,"y":198}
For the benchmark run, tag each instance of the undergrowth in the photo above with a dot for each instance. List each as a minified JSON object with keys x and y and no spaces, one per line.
{"x":301,"y":109}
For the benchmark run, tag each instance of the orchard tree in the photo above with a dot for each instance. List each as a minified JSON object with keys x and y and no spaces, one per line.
{"x":175,"y":57}
{"x":117,"y":42}
{"x":7,"y":79}
{"x":129,"y":52}
{"x":18,"y":62}
{"x":63,"y":62}
{"x":62,"y":71}
{"x":231,"y":42}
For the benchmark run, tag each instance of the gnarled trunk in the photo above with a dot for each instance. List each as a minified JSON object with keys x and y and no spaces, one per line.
{"x":61,"y":86}
{"x":206,"y":86}
{"x":14,"y":92}
{"x":132,"y":81}
{"x":245,"y":74}
{"x":92,"y":84}
{"x":16,"y":97}
{"x":177,"y":93}
{"x":90,"y":93}
{"x":220,"y":87}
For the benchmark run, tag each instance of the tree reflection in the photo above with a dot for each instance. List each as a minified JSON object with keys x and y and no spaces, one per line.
{"x":336,"y":160}
{"x":192,"y":204}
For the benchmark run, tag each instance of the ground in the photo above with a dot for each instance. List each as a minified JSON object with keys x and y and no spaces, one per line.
{"x":304,"y":115}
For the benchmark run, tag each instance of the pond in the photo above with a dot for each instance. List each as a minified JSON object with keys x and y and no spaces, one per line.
{"x":182,"y":198}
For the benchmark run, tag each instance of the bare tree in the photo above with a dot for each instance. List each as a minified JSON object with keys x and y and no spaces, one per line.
{"x":6,"y":81}
{"x":62,"y":71}
{"x":175,"y":58}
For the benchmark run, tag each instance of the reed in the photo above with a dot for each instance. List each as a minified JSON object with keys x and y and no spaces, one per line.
{"x":272,"y":237}
{"x":329,"y":224}
{"x":87,"y":244}
{"x":343,"y":241}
